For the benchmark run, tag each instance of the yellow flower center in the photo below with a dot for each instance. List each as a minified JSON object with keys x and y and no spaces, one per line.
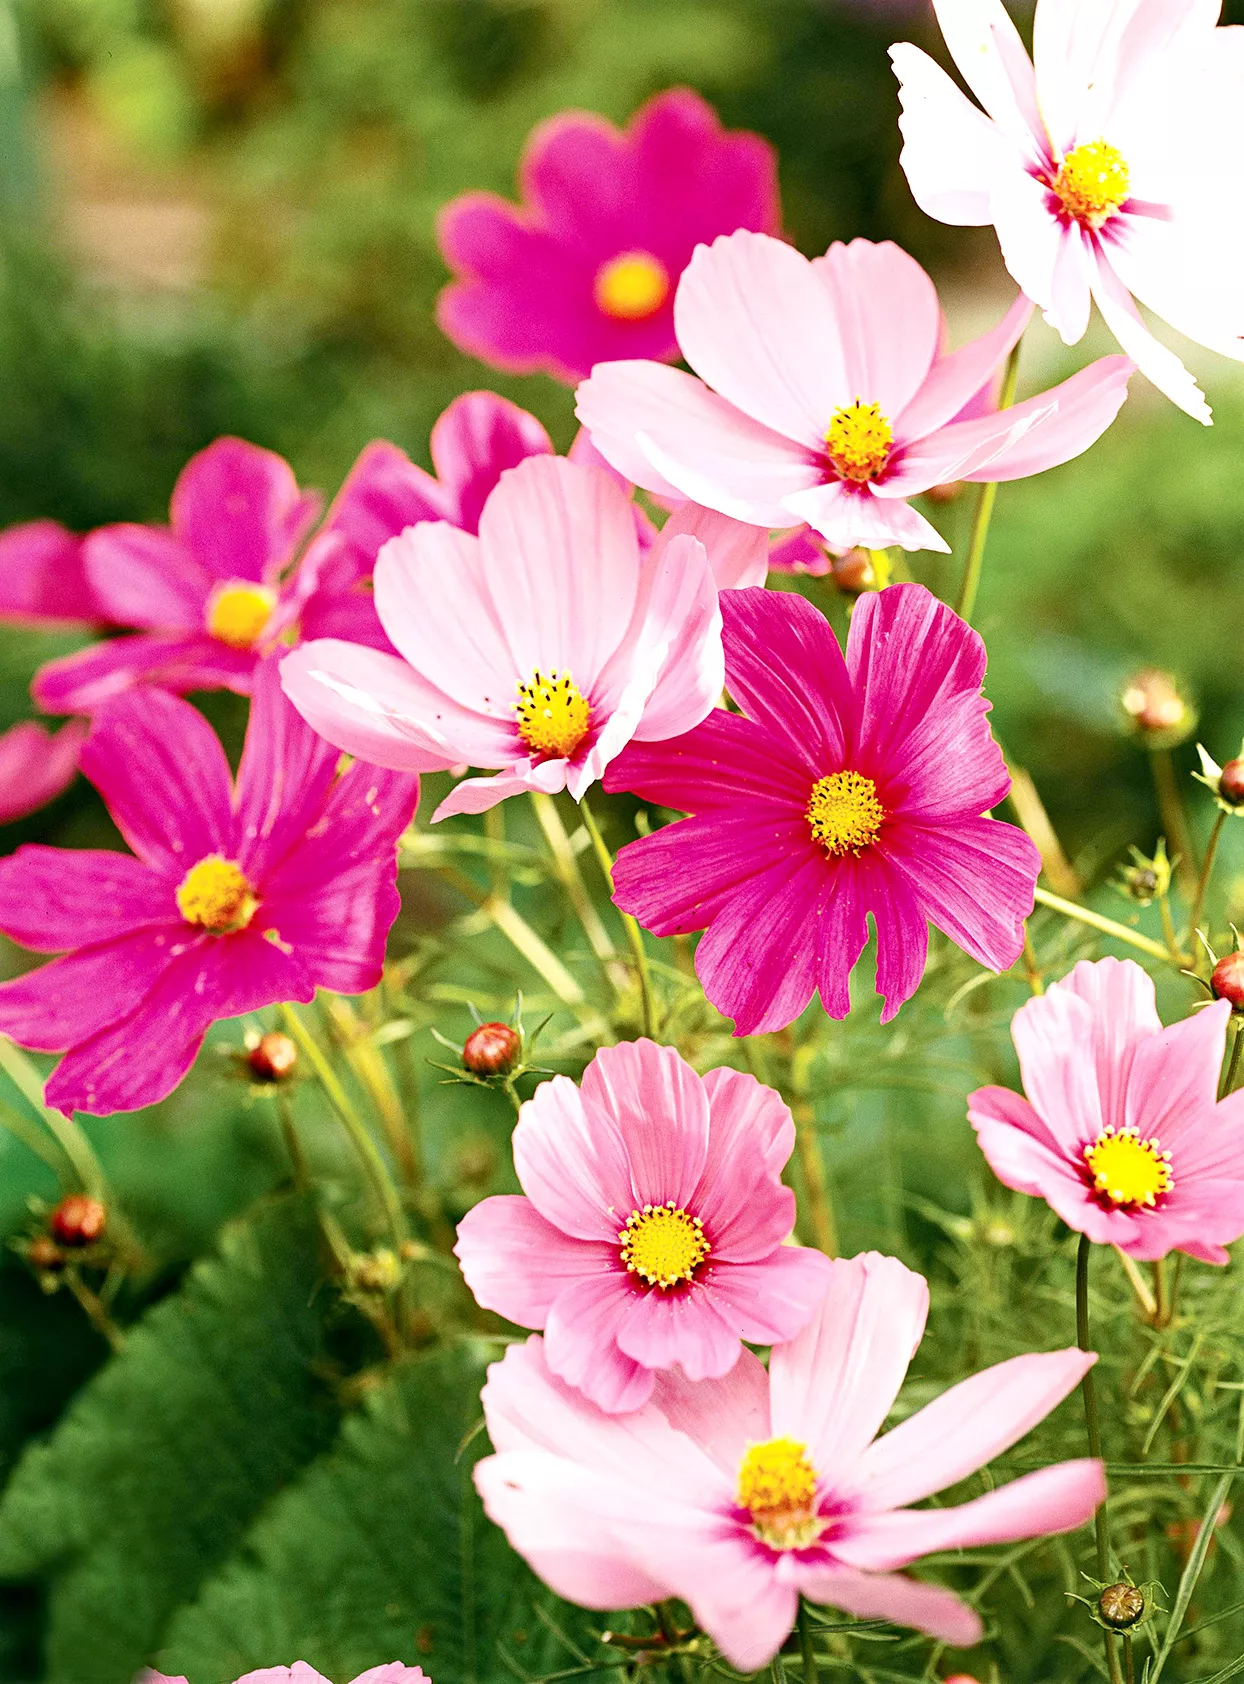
{"x":777,"y":1486}
{"x":844,"y":812}
{"x":1092,"y":182}
{"x":216,"y":894}
{"x":858,"y":440}
{"x":237,"y":613}
{"x":553,"y":714}
{"x":1127,"y":1169}
{"x":632,"y":286}
{"x":663,"y":1245}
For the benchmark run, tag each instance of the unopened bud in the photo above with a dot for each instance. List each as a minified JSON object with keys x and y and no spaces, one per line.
{"x":375,"y":1271}
{"x":948,"y":493}
{"x":1146,"y":880}
{"x":1231,"y":783}
{"x":1121,"y":1606}
{"x":854,"y":572}
{"x":1227,"y":980}
{"x":1152,"y":701}
{"x":78,"y":1221}
{"x":491,"y":1050}
{"x":44,"y":1253}
{"x":273,"y":1057}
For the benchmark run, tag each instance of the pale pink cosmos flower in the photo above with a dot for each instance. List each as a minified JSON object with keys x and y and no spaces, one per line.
{"x":392,"y":1672}
{"x":584,"y":269}
{"x":538,"y":649}
{"x":1112,"y":171}
{"x":739,"y":1495}
{"x":1122,"y":1133}
{"x":653,"y":1225}
{"x":825,"y":395}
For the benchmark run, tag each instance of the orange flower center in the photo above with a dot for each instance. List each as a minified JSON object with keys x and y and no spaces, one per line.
{"x":632,"y":286}
{"x":238,"y":611}
{"x":216,"y":895}
{"x":1093,"y":180}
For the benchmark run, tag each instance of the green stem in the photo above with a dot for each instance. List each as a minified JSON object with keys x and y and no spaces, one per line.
{"x":816,"y":1182}
{"x":374,"y":1166}
{"x":1207,"y":866}
{"x":520,"y":935}
{"x":1098,"y":921}
{"x":634,"y":935}
{"x":571,"y":878}
{"x":64,"y":1130}
{"x":810,"y":1673}
{"x":1174,"y":820}
{"x":985,"y":499}
{"x":1227,"y":1084}
{"x":1092,"y":1427}
{"x":297,"y":1159}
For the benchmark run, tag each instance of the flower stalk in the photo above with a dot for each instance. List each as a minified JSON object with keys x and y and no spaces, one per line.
{"x":986,"y":497}
{"x":630,"y":925}
{"x":1092,"y":1428}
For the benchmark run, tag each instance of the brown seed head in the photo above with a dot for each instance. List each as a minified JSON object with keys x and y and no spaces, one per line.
{"x":1121,"y":1606}
{"x":273,"y":1057}
{"x":78,"y":1220}
{"x":491,"y":1050}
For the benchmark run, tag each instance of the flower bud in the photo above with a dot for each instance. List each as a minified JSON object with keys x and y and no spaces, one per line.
{"x":948,"y":493}
{"x":492,"y":1050}
{"x":44,"y":1253}
{"x":1121,"y":1606}
{"x":273,"y":1057}
{"x":854,"y":572}
{"x":1146,"y":879}
{"x":1227,"y":980}
{"x":1160,"y":713}
{"x":1231,"y":782}
{"x":78,"y":1221}
{"x":375,"y":1271}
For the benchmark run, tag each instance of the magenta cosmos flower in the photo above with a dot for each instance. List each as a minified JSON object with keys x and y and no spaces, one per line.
{"x":844,"y":787}
{"x":825,"y":396}
{"x":35,"y":766}
{"x":392,"y":1672}
{"x":1121,"y":1133}
{"x":538,"y":648}
{"x":741,"y":1494}
{"x":652,"y":1231}
{"x":584,"y":270}
{"x":236,"y":896}
{"x":1112,"y":170}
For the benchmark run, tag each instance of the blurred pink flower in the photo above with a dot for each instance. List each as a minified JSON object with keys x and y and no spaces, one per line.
{"x":739,"y":1495}
{"x":1121,"y":1133}
{"x":35,"y":766}
{"x":584,"y":270}
{"x":42,"y":577}
{"x":392,"y":1672}
{"x":825,"y":396}
{"x":846,"y":786}
{"x":652,"y":1230}
{"x":1114,"y":168}
{"x":236,"y":896}
{"x":538,"y":648}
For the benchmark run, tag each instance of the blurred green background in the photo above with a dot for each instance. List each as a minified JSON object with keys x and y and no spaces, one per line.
{"x":216,"y":216}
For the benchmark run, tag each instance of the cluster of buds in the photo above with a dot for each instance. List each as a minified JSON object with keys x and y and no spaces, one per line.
{"x":1156,"y":708}
{"x":1148,"y":878}
{"x":73,"y":1231}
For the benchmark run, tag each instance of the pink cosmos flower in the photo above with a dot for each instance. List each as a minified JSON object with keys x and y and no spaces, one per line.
{"x":1121,"y":1133}
{"x":741,"y":1494}
{"x":538,"y":648}
{"x":42,"y":577}
{"x":36,"y":767}
{"x":208,"y":590}
{"x":237,"y":895}
{"x":825,"y":395}
{"x":393,"y":1672}
{"x":846,"y":786}
{"x":1113,"y":169}
{"x":583,"y":271}
{"x":652,"y":1231}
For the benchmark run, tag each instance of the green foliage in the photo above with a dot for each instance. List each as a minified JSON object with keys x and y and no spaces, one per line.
{"x":166,"y":1456}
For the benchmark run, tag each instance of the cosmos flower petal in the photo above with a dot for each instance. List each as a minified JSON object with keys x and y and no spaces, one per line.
{"x":955,"y":379}
{"x":738,"y":552}
{"x":516,"y":1263}
{"x":580,"y":1342}
{"x":1019,"y":1147}
{"x":43,"y":577}
{"x":720,"y":1417}
{"x":890,"y":1596}
{"x":951,"y":150}
{"x":748,"y":1120}
{"x":990,"y":56}
{"x":52,"y":900}
{"x":284,"y":775}
{"x":705,"y":769}
{"x":785,"y":669}
{"x":1172,"y":1081}
{"x":767,"y":1302}
{"x":907,"y":655}
{"x":1153,"y":359}
{"x":83,"y":682}
{"x":143,"y":576}
{"x":474,"y":441}
{"x":900,"y":919}
{"x":571,"y":1163}
{"x":660,"y":1109}
{"x":975,"y":883}
{"x":1067,"y":420}
{"x":35,"y":766}
{"x":676,"y":636}
{"x":895,"y":317}
{"x":238,"y":511}
{"x":689,"y":1329}
{"x":833,"y":1385}
{"x":964,"y":1428}
{"x":854,"y":516}
{"x":76,"y":997}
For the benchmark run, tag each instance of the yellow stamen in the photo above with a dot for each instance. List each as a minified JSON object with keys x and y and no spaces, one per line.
{"x":858,"y":440}
{"x":663,"y":1245}
{"x":1127,"y":1169}
{"x":216,"y":894}
{"x":238,"y":611}
{"x":553,"y":714}
{"x":1093,"y":180}
{"x":844,"y":812}
{"x":632,"y":286}
{"x":777,"y":1486}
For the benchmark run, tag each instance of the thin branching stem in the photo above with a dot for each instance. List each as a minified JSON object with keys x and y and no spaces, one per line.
{"x":1174,"y":819}
{"x":1092,"y":1427}
{"x":1107,"y":926}
{"x":986,"y":497}
{"x":634,"y":935}
{"x":811,"y":1675}
{"x":1202,"y":882}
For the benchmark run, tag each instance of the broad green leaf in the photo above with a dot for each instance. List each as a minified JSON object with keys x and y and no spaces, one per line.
{"x":382,"y":1552}
{"x":161,"y":1464}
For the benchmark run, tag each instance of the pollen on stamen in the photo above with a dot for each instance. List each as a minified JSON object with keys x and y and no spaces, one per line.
{"x":1093,"y":181}
{"x":216,"y":895}
{"x":552,"y":714}
{"x":632,"y":286}
{"x":238,"y":612}
{"x":858,"y":441}
{"x":1128,"y":1170}
{"x":778,"y":1487}
{"x":663,"y":1245}
{"x":845,"y":813}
